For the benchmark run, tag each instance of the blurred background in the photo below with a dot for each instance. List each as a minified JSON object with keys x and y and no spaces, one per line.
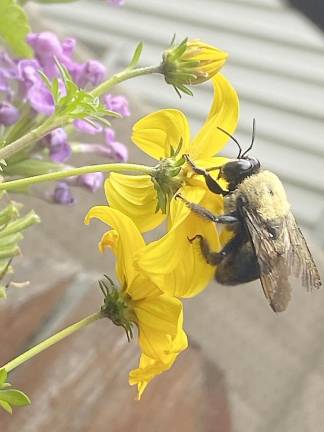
{"x":247,"y":369}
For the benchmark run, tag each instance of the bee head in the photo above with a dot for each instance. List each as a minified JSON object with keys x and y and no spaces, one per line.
{"x":236,"y":171}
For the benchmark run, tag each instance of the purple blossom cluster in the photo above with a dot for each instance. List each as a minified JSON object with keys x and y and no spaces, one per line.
{"x":20,"y":81}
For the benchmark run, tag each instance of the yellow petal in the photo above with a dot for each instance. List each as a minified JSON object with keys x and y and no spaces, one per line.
{"x":160,"y":131}
{"x":158,"y":323}
{"x":224,"y":113}
{"x":125,"y":244}
{"x":149,"y":367}
{"x":136,"y":197}
{"x":147,"y":370}
{"x":160,"y":313}
{"x":163,"y":256}
{"x":174,"y":264}
{"x":142,"y":287}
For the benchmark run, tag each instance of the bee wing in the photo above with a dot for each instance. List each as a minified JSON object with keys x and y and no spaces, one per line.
{"x":271,"y":250}
{"x":299,"y":258}
{"x":276,"y":286}
{"x":281,"y":251}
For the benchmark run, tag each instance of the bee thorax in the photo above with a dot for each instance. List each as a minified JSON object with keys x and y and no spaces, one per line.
{"x":263,"y":193}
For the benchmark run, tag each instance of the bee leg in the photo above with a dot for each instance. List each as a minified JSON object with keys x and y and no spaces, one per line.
{"x":211,"y":183}
{"x":206,"y":214}
{"x":214,"y":258}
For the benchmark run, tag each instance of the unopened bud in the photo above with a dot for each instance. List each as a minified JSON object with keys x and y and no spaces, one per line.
{"x":191,"y":62}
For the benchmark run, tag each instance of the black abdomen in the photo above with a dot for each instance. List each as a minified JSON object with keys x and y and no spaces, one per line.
{"x":240,"y":266}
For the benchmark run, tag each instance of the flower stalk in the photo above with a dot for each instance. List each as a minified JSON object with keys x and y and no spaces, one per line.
{"x":59,"y":175}
{"x":47,"y":343}
{"x":31,"y":137}
{"x":124,"y":75}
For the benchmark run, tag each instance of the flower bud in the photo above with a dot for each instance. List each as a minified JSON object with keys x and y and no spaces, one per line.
{"x":45,"y":44}
{"x":191,"y":62}
{"x":59,"y":148}
{"x":41,"y":99}
{"x":85,"y":127}
{"x":91,"y":181}
{"x":8,"y":114}
{"x":92,"y":72}
{"x":118,"y":150}
{"x":62,"y":194}
{"x":117,"y":104}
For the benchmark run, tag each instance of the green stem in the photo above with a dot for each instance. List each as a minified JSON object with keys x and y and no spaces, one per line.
{"x":32,"y":136}
{"x":123,"y":76}
{"x":51,"y":341}
{"x":58,"y":175}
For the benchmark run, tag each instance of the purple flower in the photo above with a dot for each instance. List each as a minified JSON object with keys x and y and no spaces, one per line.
{"x":68,"y":46}
{"x":8,"y":72}
{"x":41,"y":99}
{"x":59,"y":148}
{"x":92,"y":72}
{"x":117,"y":104}
{"x":46,"y":47}
{"x":4,"y":84}
{"x":91,"y":181}
{"x":86,"y":127}
{"x":62,"y":194}
{"x":45,"y":44}
{"x":116,"y":2}
{"x":119,"y":150}
{"x":7,"y":65}
{"x":28,"y":72}
{"x":8,"y":114}
{"x":109,"y":135}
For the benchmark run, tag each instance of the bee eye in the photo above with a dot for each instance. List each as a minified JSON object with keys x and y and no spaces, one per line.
{"x":243,"y":165}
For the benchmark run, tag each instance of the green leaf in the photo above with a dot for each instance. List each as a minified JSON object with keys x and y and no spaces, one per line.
{"x":103,"y":121}
{"x":136,"y":56}
{"x":45,"y":79}
{"x":75,"y":103}
{"x":3,"y":376}
{"x":14,"y":397}
{"x":14,"y":27}
{"x":6,"y":406}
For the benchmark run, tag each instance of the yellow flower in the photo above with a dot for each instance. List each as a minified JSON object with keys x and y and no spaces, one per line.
{"x":191,"y":62}
{"x":158,"y":316}
{"x":158,"y":135}
{"x":174,"y":264}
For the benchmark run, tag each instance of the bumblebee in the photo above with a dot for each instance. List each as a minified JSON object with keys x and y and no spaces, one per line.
{"x":267,"y":243}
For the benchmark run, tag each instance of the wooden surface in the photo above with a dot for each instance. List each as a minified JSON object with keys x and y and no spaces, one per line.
{"x":81,"y":384}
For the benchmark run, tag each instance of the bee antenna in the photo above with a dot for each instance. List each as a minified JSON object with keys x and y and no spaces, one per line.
{"x":252,"y":141}
{"x":234,"y":139}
